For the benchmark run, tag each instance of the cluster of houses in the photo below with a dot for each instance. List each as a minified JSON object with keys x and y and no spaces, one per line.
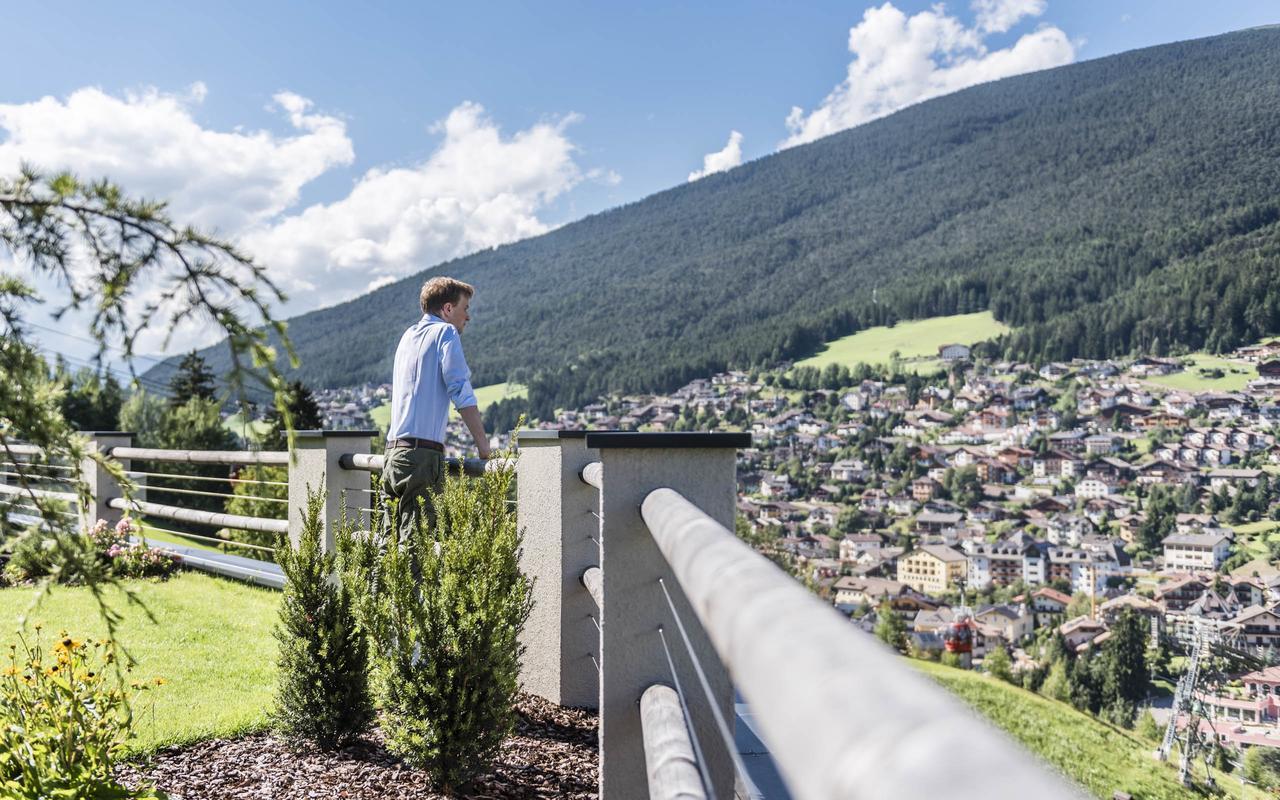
{"x":856,"y":488}
{"x":352,"y":408}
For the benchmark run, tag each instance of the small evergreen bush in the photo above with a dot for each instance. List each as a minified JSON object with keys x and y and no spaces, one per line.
{"x":443,"y":607}
{"x":323,"y":691}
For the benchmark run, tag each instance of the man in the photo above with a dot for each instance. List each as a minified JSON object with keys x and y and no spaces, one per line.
{"x":430,"y":371}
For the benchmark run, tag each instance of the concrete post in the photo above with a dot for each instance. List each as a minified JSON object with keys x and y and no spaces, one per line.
{"x":313,"y":465}
{"x":102,"y":486}
{"x":554,"y":510}
{"x":701,"y":467}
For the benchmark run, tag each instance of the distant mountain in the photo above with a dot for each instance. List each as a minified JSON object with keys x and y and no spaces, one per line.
{"x":1126,"y":203}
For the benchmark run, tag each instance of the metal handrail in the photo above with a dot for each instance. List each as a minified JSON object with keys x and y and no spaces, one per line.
{"x":201,"y":456}
{"x":69,"y":497}
{"x":593,"y":579}
{"x":856,"y":724}
{"x":668,"y":752}
{"x":473,"y":467}
{"x":593,"y":474}
{"x":23,"y":449}
{"x":202,"y":517}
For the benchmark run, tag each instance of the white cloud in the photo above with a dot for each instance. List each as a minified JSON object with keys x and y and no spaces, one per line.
{"x":477,"y":189}
{"x":150,"y":143}
{"x":900,"y":60}
{"x":721,"y":160}
{"x":998,"y":16}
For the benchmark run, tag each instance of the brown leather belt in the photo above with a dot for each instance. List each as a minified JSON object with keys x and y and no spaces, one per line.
{"x":413,"y":443}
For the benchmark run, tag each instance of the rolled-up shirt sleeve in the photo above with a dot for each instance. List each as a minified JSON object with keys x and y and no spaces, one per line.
{"x":456,"y":373}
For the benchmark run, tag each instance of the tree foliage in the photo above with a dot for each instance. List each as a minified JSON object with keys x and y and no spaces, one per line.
{"x":322,"y":693}
{"x":100,"y":247}
{"x":890,"y":628}
{"x":443,"y":606}
{"x":193,"y":380}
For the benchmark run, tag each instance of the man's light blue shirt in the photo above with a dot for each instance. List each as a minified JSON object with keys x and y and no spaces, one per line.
{"x":430,"y":370}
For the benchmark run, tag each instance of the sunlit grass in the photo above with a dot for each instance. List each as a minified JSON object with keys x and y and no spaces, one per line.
{"x":913,"y":339}
{"x":211,"y":642}
{"x":1102,"y":758}
{"x":1235,"y":374}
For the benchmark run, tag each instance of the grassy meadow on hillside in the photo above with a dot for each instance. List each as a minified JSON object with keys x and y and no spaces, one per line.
{"x":916,"y":339}
{"x":1102,"y":758}
{"x":211,"y":642}
{"x":1235,"y":374}
{"x":485,"y":396}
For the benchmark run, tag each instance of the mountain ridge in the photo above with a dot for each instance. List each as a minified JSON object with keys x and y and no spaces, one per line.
{"x":1084,"y":205}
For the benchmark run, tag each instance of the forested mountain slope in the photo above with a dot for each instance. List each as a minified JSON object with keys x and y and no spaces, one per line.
{"x":1131,"y":202}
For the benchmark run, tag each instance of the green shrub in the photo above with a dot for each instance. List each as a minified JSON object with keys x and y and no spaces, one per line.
{"x":1147,"y":727}
{"x":103,"y":553}
{"x":997,"y":664}
{"x":32,"y":557}
{"x":66,"y":721}
{"x":323,"y":691}
{"x":444,"y":623}
{"x":1262,"y":766}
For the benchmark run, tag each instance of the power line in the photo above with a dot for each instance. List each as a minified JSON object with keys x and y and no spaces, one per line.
{"x":115,"y":372}
{"x":94,"y":342}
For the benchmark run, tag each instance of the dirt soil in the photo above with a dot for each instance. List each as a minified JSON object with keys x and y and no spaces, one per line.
{"x":551,"y":754}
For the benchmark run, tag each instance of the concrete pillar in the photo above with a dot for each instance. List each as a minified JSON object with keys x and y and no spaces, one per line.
{"x":701,"y":467}
{"x":313,"y":465}
{"x":102,"y":486}
{"x":554,"y":509}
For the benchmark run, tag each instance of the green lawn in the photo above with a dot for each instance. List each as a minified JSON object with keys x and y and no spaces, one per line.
{"x":914,"y":339}
{"x":154,"y":536}
{"x":1253,"y":536}
{"x":485,"y":397}
{"x":211,"y":641}
{"x":1235,"y":374}
{"x":253,"y":430}
{"x":1102,"y":758}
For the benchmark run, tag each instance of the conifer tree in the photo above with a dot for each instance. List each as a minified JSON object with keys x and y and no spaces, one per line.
{"x":301,"y":404}
{"x":322,"y":693}
{"x":192,"y":380}
{"x":890,"y":628}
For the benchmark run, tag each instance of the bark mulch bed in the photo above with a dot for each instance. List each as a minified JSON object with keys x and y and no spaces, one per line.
{"x":551,"y":754}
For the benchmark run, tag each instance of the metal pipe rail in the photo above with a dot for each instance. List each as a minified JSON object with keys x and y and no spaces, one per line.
{"x":852,"y":721}
{"x":278,"y":457}
{"x":593,"y":579}
{"x":593,"y":474}
{"x":201,"y":517}
{"x":68,"y":497}
{"x":22,"y":449}
{"x":668,"y":752}
{"x":374,"y":462}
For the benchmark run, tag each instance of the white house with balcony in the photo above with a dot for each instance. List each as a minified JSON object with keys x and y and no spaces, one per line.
{"x":1185,"y":552}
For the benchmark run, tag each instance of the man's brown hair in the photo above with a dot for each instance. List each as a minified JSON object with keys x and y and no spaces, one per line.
{"x":436,"y":292}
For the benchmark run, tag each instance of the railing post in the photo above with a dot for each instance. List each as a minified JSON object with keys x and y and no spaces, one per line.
{"x":702,"y":467}
{"x":102,"y":486}
{"x":313,"y":464}
{"x":554,"y":508}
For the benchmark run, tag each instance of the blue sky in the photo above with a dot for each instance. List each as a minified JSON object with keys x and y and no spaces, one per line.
{"x":493,"y":121}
